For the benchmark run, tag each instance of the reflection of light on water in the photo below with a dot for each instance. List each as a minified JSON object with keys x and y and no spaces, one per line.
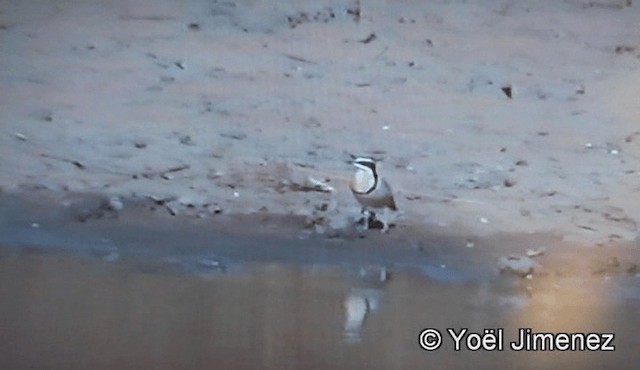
{"x":149,"y":313}
{"x":356,"y":311}
{"x":570,"y":304}
{"x":578,"y":304}
{"x":358,"y":305}
{"x":360,"y":302}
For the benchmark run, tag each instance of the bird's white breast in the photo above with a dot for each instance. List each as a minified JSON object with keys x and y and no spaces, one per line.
{"x":362,"y":181}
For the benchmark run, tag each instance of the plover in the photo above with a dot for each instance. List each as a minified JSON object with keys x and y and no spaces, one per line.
{"x":372,"y":191}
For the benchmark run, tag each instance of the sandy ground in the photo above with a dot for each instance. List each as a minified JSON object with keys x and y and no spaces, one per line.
{"x":229,"y":106}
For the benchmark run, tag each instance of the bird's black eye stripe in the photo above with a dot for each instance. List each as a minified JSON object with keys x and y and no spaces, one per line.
{"x":371,"y":165}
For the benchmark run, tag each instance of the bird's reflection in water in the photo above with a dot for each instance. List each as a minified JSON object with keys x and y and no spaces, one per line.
{"x":363,"y":299}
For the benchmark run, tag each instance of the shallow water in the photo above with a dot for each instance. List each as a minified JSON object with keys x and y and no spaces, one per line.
{"x":132,"y":292}
{"x":61,"y":311}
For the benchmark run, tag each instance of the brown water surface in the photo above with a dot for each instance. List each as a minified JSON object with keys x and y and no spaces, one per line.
{"x":158,"y":292}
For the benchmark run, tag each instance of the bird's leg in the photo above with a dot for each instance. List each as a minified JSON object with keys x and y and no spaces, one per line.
{"x":367,"y":217}
{"x":386,"y":219}
{"x":385,"y":226}
{"x":364,"y":220}
{"x":372,"y":220}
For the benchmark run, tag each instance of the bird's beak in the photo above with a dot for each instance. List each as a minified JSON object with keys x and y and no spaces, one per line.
{"x":351,"y":159}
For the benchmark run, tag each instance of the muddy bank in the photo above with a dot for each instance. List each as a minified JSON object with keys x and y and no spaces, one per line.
{"x":102,"y":225}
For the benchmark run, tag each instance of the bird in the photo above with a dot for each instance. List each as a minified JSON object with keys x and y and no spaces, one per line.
{"x":371,"y":190}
